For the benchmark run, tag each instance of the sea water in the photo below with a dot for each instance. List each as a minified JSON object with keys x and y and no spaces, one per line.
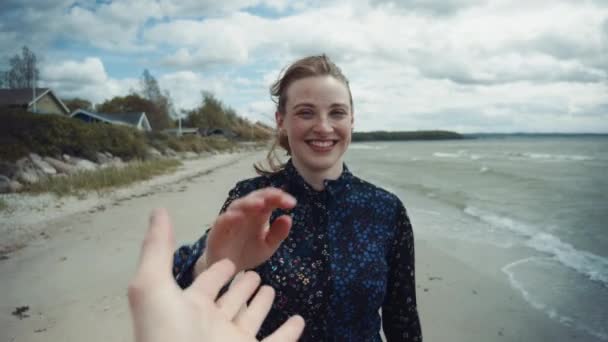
{"x":544,"y":197}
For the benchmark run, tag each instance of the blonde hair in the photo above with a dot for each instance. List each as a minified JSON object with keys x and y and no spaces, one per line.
{"x":303,"y":68}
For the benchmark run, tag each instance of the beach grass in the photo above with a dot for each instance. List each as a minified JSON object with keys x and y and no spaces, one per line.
{"x":104,"y":179}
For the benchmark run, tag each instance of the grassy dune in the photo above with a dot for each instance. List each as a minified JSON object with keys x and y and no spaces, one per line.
{"x":104,"y":179}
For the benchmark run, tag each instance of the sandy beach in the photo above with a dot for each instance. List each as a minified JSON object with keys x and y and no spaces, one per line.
{"x":70,"y":276}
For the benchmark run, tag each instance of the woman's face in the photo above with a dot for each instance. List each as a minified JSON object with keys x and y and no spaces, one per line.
{"x":318,"y":121}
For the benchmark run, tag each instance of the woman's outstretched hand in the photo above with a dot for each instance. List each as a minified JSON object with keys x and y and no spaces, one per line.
{"x":243,"y":234}
{"x":161,"y":311}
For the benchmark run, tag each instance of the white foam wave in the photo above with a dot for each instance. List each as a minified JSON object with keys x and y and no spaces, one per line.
{"x":458,"y":154}
{"x":550,"y":157}
{"x":551,"y":312}
{"x":446,"y":155}
{"x":501,"y":221}
{"x":358,"y":146}
{"x":484,"y":169}
{"x":593,"y":266}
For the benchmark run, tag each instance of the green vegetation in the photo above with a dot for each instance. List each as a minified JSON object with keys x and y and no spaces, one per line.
{"x":400,"y":136}
{"x":54,"y":135}
{"x":194,"y":143}
{"x":212,"y":113}
{"x":104,"y":179}
{"x":77,"y":103}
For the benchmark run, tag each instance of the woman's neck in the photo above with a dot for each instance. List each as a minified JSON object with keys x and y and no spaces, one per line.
{"x":316,"y":178}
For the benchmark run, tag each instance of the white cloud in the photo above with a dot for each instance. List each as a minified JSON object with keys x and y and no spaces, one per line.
{"x":85,"y":79}
{"x":90,"y":70}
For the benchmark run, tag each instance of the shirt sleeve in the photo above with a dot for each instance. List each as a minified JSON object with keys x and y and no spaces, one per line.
{"x":184,"y":260}
{"x":185,"y":257}
{"x":399,"y":312}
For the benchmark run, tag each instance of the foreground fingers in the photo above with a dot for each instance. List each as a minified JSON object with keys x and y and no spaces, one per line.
{"x":289,"y":331}
{"x":250,"y":320}
{"x":209,"y":283}
{"x":157,"y":249}
{"x":239,"y":293}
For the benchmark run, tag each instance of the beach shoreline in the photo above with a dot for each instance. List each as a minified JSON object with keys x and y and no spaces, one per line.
{"x":69,"y":284}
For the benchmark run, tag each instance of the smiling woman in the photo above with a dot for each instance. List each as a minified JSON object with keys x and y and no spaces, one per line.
{"x":336,"y":248}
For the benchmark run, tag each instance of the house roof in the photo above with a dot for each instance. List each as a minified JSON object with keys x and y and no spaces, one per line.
{"x":128,"y":118}
{"x":23,"y":97}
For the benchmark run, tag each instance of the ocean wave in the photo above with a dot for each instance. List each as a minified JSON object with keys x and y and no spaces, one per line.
{"x":458,"y":154}
{"x":358,"y":146}
{"x":446,"y":155}
{"x":592,"y":266}
{"x":589,"y":264}
{"x":553,"y":313}
{"x":549,"y":157}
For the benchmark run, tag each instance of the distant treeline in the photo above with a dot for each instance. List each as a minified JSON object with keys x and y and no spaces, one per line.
{"x":532,"y":135}
{"x":416,"y":135}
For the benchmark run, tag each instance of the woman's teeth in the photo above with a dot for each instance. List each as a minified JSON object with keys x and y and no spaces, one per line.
{"x":322,"y":143}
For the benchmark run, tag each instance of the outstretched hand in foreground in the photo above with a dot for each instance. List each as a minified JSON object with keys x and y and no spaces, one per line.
{"x":161,"y":311}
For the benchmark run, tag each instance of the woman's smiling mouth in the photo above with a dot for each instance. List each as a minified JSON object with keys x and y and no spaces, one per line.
{"x":321,"y":145}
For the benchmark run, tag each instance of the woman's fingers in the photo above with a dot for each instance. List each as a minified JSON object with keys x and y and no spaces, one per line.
{"x":250,"y":320}
{"x":250,"y":204}
{"x":228,"y":224}
{"x":263,"y":201}
{"x":289,"y":331}
{"x":278,"y":199}
{"x":209,"y":283}
{"x":239,"y":293}
{"x":278,"y":231}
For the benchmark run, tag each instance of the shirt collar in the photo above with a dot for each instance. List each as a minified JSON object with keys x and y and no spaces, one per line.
{"x":334,"y":187}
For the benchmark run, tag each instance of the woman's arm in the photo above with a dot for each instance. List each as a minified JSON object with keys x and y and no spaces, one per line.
{"x":399,"y":312}
{"x":184,"y":262}
{"x":189,"y":260}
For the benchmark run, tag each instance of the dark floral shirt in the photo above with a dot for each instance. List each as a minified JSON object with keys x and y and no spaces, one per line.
{"x":350,"y":252}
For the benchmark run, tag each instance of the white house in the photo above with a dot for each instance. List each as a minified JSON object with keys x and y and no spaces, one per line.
{"x":136,"y":120}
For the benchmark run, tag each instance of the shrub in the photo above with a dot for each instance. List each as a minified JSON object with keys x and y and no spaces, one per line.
{"x":104,"y":179}
{"x":52,"y":135}
{"x":193,"y":143}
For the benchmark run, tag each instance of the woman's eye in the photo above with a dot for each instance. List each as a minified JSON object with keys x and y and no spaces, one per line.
{"x":338,"y":113}
{"x":305,"y":113}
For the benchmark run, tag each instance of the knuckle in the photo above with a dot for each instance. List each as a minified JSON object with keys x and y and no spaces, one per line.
{"x":136,"y":291}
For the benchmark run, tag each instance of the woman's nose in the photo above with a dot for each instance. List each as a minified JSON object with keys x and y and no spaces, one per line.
{"x":323,"y":125}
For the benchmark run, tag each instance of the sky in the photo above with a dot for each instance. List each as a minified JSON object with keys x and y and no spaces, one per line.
{"x":460,"y":65}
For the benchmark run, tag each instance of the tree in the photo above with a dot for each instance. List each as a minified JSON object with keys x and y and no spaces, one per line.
{"x":23,"y":71}
{"x":149,"y":87}
{"x":211,"y":114}
{"x":150,"y":91}
{"x":78,"y":103}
